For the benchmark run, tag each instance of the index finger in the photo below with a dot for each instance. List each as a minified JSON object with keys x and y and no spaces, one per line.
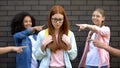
{"x":24,"y":46}
{"x":43,"y":25}
{"x":91,"y":40}
{"x":77,"y":24}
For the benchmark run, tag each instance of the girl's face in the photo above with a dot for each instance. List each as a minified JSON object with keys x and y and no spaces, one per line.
{"x":27,"y":22}
{"x":57,"y":20}
{"x":97,"y":18}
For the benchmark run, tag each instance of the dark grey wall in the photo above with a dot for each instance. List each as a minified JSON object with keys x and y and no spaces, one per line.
{"x":78,"y":11}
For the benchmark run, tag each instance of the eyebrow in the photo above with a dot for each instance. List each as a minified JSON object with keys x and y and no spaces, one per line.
{"x":57,"y":18}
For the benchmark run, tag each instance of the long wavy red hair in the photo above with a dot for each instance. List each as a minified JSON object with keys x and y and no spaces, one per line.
{"x":54,"y":46}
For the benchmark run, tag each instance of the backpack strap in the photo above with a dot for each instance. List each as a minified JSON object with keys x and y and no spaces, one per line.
{"x":46,"y":32}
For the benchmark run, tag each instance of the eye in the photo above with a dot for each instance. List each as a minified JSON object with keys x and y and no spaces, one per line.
{"x":93,"y":15}
{"x":57,"y":19}
{"x":96,"y":16}
{"x":60,"y":19}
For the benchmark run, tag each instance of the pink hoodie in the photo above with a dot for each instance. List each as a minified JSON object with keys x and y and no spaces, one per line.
{"x":102,"y":34}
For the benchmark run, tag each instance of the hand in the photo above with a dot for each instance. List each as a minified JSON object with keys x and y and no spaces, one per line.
{"x":38,"y":28}
{"x":98,"y":43}
{"x":47,"y":40}
{"x":66,"y":40}
{"x":18,"y":49}
{"x":82,"y":26}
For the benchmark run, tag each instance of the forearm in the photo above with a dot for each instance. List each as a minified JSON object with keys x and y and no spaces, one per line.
{"x":113,"y":51}
{"x":5,"y":49}
{"x":72,"y":53}
{"x":36,"y":28}
{"x":22,"y":34}
{"x":91,"y":27}
{"x":32,"y":29}
{"x":39,"y":54}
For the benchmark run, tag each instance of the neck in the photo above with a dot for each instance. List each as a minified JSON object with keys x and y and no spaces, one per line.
{"x":56,"y":31}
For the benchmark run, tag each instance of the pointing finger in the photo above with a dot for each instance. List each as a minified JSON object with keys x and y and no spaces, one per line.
{"x":24,"y":46}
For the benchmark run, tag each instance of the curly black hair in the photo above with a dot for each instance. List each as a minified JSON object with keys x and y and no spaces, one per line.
{"x":17,"y":22}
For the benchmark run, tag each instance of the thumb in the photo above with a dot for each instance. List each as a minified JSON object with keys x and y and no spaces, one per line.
{"x":79,"y":29}
{"x":91,"y":40}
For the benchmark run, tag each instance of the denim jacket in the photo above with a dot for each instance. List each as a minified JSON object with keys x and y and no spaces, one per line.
{"x":23,"y":60}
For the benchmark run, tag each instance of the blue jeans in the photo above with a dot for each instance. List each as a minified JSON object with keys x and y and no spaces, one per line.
{"x":87,"y":66}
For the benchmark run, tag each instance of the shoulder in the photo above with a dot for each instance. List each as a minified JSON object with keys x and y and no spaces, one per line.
{"x":70,"y":33}
{"x":105,"y":27}
{"x":42,"y":31}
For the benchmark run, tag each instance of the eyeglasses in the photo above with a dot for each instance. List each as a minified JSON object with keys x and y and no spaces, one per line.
{"x":55,"y":20}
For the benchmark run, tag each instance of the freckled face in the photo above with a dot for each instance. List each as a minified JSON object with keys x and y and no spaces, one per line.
{"x":97,"y":18}
{"x":27,"y":22}
{"x":57,"y":20}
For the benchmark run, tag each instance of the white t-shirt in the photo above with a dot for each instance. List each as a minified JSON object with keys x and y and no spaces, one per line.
{"x":34,"y":63}
{"x":93,"y":58}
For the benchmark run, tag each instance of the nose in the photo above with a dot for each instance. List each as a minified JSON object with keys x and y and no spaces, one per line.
{"x":57,"y":22}
{"x":28,"y":22}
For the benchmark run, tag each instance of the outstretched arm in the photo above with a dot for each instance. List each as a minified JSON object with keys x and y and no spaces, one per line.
{"x":38,"y":28}
{"x":84,"y":26}
{"x":11,"y":48}
{"x":110,"y":49}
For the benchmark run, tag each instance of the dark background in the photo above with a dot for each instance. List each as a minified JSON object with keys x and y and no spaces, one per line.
{"x":78,"y":11}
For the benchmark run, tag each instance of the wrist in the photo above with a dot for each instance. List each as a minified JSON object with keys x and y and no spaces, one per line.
{"x":32,"y":29}
{"x":10,"y":48}
{"x":87,"y":26}
{"x":106,"y":47}
{"x":69,"y":46}
{"x":43,"y":48}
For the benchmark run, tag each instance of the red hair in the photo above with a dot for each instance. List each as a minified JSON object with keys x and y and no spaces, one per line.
{"x":54,"y":46}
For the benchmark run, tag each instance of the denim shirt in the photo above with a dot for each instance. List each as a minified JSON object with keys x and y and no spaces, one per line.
{"x":23,"y":60}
